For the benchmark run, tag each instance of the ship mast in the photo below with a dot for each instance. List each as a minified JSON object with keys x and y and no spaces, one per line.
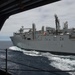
{"x":33,"y":32}
{"x":57,"y":24}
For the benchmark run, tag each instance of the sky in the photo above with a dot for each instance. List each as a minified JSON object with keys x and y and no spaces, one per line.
{"x":41,"y":16}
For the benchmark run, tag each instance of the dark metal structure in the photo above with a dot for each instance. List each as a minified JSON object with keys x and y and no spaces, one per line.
{"x":10,"y":7}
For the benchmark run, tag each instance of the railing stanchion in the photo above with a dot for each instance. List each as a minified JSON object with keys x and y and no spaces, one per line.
{"x":6,"y":61}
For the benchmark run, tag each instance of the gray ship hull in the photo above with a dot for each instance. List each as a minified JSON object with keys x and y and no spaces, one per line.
{"x":54,"y":40}
{"x":53,"y":44}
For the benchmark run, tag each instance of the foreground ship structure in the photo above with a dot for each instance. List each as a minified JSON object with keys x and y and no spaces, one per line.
{"x":54,"y":40}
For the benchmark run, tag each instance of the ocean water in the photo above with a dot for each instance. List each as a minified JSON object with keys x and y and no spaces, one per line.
{"x":23,"y":62}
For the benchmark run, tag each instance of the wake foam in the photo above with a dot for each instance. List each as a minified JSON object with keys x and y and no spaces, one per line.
{"x":57,"y":61}
{"x":61,"y":62}
{"x":31,"y":53}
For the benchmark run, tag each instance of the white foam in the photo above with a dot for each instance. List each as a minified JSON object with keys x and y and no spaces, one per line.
{"x":31,"y":53}
{"x":61,"y":62}
{"x":14,"y":48}
{"x":2,"y":56}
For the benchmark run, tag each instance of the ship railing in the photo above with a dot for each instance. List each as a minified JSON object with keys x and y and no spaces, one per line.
{"x":6,"y":69}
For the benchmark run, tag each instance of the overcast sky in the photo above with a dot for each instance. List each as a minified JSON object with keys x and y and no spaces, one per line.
{"x":42,"y":16}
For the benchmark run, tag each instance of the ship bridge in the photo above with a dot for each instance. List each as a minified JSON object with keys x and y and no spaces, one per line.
{"x":10,"y":7}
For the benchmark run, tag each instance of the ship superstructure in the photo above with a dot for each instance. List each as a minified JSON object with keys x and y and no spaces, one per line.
{"x":51,"y":40}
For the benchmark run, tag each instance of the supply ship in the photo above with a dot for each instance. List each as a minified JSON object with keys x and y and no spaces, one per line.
{"x":54,"y":40}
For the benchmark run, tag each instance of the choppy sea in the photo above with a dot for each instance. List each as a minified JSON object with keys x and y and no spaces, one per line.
{"x":23,"y":62}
